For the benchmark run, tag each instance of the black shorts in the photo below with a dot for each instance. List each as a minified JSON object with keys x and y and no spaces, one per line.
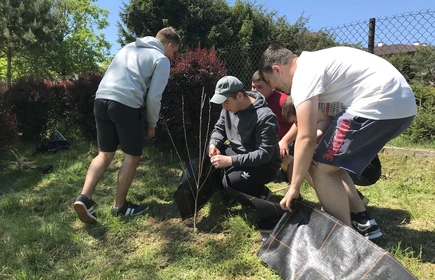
{"x":118,"y":124}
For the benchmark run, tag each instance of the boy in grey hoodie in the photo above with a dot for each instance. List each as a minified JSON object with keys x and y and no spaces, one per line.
{"x":251,"y":159}
{"x":136,"y":78}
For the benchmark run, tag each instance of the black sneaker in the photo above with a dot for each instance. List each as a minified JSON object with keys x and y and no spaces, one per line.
{"x":85,"y":208}
{"x":129,"y":209}
{"x":369,"y":229}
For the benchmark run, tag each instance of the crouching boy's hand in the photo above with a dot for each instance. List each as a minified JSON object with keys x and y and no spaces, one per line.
{"x":292,"y":193}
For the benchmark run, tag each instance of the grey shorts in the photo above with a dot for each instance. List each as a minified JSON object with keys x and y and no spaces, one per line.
{"x":118,"y":124}
{"x":351,"y":142}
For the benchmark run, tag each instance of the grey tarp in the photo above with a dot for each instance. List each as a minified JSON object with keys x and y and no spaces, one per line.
{"x":307,"y":243}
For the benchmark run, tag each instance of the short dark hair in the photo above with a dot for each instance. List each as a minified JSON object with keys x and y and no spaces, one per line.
{"x":169,"y":35}
{"x":233,"y":95}
{"x":274,"y":54}
{"x":288,"y":108}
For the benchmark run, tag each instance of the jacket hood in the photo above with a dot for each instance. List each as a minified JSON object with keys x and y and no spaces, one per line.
{"x":259,"y":102}
{"x":151,"y":43}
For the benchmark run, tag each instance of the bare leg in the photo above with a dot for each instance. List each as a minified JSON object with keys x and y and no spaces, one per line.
{"x":288,"y":161}
{"x":96,"y":170}
{"x":285,"y":162}
{"x":125,"y":178}
{"x":330,"y":189}
{"x":355,"y":203}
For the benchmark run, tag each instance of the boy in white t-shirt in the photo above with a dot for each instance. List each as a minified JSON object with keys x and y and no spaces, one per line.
{"x":370,"y":102}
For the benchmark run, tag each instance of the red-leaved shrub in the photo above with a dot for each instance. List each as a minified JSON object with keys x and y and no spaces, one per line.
{"x":31,"y":103}
{"x":79,"y":99}
{"x":191,"y":73}
{"x":40,"y":105}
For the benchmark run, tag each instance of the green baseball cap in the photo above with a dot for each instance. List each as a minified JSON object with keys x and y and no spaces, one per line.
{"x":224,"y":87}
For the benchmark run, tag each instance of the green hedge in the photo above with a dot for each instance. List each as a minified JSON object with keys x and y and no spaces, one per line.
{"x":8,"y":122}
{"x":423,"y":127}
{"x":40,"y":105}
{"x":34,"y":107}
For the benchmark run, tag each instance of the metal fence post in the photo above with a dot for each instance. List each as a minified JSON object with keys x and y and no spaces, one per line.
{"x":371,"y":43}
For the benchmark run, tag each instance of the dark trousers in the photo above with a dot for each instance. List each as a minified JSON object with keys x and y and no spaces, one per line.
{"x":249,"y":180}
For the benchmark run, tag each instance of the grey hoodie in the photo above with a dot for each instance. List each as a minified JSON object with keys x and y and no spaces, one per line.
{"x":137,"y":76}
{"x":253,"y":134}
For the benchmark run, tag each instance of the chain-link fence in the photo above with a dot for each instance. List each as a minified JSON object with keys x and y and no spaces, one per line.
{"x":398,"y":34}
{"x":242,"y":62}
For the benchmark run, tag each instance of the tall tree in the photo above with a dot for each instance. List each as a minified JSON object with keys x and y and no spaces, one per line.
{"x":297,"y":37}
{"x":26,"y":25}
{"x":79,"y":49}
{"x":72,"y":47}
{"x":239,"y":33}
{"x":253,"y":27}
{"x":214,"y":23}
{"x":196,"y":21}
{"x":252,"y":23}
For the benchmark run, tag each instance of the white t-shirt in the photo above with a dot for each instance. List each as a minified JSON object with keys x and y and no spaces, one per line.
{"x":361,"y":83}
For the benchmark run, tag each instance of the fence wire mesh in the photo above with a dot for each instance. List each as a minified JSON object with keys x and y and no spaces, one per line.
{"x":397,"y":34}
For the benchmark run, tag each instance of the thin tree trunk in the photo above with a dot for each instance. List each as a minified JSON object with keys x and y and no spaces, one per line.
{"x":9,"y":68}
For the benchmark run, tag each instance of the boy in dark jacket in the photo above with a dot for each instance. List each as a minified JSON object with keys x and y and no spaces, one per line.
{"x":251,"y":159}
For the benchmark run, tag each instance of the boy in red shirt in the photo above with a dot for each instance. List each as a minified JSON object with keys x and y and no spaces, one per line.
{"x":275,"y":100}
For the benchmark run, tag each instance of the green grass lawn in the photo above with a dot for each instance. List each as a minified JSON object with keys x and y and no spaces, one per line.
{"x":41,"y":237}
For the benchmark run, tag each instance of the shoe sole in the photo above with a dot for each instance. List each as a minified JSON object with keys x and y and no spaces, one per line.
{"x":374,"y":236}
{"x":83,"y":214}
{"x":133,"y":215}
{"x":139,"y":213}
{"x":369,"y":235}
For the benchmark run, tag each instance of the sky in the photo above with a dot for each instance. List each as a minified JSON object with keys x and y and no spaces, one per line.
{"x":321,"y":13}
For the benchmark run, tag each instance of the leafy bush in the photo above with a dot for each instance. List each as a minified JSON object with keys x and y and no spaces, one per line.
{"x":8,"y":122}
{"x":195,"y":71}
{"x":423,"y":127}
{"x":79,"y":98}
{"x":403,"y":63}
{"x":56,"y":94}
{"x":42,"y":105}
{"x":31,"y":103}
{"x":423,"y":65}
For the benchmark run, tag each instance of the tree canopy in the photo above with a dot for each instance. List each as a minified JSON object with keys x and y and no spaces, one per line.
{"x":52,"y":38}
{"x":26,"y":26}
{"x":80,"y":49}
{"x":239,"y":33}
{"x":213,"y":23}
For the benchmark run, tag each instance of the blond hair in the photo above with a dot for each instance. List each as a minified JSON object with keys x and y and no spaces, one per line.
{"x":288,"y":108}
{"x":169,"y":35}
{"x":257,"y":77}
